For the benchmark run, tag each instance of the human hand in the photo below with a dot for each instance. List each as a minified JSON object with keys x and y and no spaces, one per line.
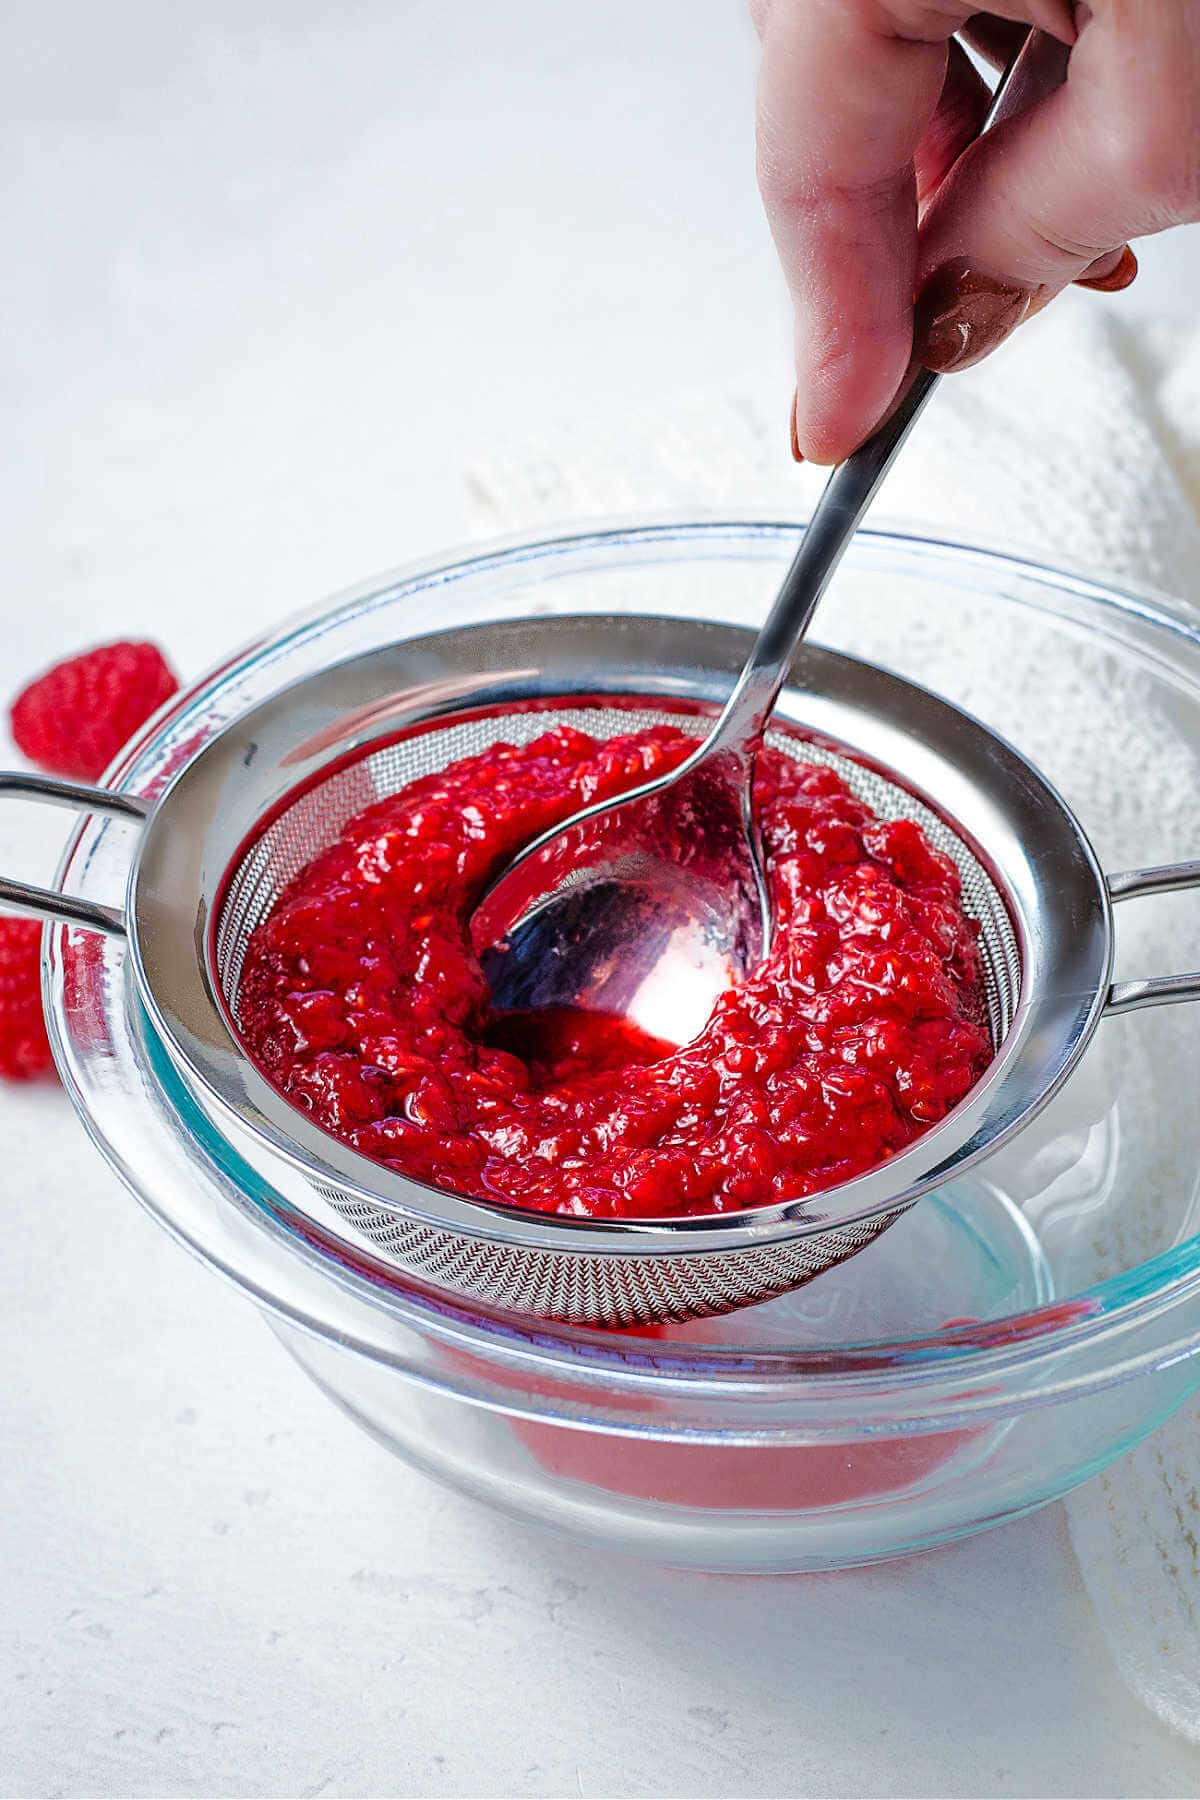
{"x":875,"y":191}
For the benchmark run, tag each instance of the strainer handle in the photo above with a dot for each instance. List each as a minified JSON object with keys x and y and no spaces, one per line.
{"x":44,"y":903}
{"x":1158,"y":990}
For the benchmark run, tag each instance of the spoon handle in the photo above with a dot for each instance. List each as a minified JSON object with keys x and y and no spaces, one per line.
{"x":847,"y":494}
{"x":1039,"y":67}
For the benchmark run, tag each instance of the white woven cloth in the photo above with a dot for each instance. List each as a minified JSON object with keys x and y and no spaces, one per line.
{"x":1078,"y":441}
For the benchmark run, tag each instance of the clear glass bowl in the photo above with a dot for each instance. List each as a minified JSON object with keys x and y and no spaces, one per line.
{"x":1013,"y":1334}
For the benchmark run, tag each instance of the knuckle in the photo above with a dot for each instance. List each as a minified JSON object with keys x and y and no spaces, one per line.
{"x":1050,"y":244}
{"x":919,"y":21}
{"x":791,"y":184}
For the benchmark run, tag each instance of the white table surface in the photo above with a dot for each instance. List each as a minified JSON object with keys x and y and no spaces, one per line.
{"x":277,"y":275}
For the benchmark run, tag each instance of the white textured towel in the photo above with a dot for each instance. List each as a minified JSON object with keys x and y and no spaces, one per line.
{"x":1079,"y":441}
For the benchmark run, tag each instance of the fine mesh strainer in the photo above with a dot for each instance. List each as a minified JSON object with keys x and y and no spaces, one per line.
{"x":261,"y":799}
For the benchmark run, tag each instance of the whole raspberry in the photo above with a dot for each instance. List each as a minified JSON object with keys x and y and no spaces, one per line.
{"x":75,"y":718}
{"x":24,"y":1047}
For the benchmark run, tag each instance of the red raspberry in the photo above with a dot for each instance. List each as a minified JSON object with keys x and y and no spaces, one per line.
{"x":75,"y":718}
{"x":24,"y":1047}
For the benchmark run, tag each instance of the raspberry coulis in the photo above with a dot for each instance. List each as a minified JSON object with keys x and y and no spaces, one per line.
{"x":363,"y":1000}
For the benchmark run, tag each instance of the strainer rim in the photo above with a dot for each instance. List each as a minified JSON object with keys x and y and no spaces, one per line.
{"x":317,"y":1154}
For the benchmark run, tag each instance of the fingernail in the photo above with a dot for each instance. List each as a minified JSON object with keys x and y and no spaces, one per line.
{"x":1111,"y":280}
{"x":962,"y":314}
{"x":797,"y":452}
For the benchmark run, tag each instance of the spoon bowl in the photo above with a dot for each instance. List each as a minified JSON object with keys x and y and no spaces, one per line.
{"x":644,"y":909}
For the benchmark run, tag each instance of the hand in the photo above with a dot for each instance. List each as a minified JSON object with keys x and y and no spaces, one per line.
{"x":865,"y":107}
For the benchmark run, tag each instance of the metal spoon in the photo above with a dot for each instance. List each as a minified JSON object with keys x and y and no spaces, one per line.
{"x":651,"y":905}
{"x":647,"y":907}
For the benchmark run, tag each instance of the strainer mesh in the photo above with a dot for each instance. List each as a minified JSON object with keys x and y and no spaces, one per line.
{"x":611,"y":1285}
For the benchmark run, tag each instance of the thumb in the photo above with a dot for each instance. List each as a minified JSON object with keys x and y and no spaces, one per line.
{"x":1051,"y":195}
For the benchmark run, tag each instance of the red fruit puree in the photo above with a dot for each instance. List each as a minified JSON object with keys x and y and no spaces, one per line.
{"x":363,"y":1000}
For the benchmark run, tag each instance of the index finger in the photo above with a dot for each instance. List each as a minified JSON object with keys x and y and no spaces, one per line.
{"x":843,"y":103}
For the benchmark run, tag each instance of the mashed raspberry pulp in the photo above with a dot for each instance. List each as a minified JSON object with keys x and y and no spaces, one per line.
{"x":362,"y":999}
